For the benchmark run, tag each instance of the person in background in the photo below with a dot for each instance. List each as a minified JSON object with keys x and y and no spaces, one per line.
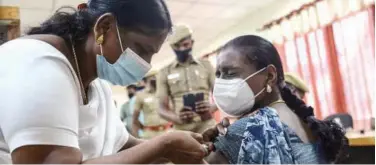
{"x":127,"y":110}
{"x":141,"y":84}
{"x":296,"y":85}
{"x":275,"y":126}
{"x":184,"y":76}
{"x":115,"y":102}
{"x":147,"y":103}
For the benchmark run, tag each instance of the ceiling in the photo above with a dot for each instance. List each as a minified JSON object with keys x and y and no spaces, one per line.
{"x":208,"y":18}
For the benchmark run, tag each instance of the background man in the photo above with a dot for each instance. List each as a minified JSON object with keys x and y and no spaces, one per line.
{"x":185,"y":76}
{"x":147,"y":103}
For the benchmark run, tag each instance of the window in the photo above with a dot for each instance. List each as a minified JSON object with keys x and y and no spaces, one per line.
{"x":355,"y":52}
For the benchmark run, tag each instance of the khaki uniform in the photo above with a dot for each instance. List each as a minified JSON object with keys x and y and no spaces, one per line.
{"x":148,"y":104}
{"x":177,"y":79}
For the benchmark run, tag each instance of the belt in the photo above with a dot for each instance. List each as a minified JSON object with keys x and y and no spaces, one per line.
{"x":158,"y":127}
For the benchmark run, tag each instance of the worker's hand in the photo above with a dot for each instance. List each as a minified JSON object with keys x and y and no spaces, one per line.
{"x":186,"y":115}
{"x":185,"y":147}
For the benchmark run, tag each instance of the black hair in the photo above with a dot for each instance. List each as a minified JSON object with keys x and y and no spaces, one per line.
{"x":262,"y":53}
{"x":132,"y":86}
{"x":294,"y":88}
{"x":130,"y":14}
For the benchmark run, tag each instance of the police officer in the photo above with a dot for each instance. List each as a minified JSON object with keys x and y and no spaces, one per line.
{"x":141,"y":84}
{"x":184,"y":76}
{"x":296,"y":85}
{"x":147,"y":103}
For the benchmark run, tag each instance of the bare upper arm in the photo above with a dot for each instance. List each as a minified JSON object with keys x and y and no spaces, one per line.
{"x":164,"y":103}
{"x":138,"y":104}
{"x":136,"y":115}
{"x":216,"y":158}
{"x":289,"y":118}
{"x":163,"y":92}
{"x":46,"y":154}
{"x":162,"y":86}
{"x":132,"y":141}
{"x":211,"y":77}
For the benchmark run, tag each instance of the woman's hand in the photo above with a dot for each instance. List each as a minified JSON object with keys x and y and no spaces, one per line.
{"x":184,"y":147}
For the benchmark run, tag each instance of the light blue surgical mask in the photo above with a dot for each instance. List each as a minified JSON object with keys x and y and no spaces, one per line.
{"x":128,"y":69}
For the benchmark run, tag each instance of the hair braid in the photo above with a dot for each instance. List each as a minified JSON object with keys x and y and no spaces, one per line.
{"x":330,"y":135}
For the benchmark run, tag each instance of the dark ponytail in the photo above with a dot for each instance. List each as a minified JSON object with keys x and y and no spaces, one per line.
{"x":145,"y":16}
{"x":330,"y":135}
{"x":66,"y":24}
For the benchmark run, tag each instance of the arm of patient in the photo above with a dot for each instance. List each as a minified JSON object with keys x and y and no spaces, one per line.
{"x":216,"y":158}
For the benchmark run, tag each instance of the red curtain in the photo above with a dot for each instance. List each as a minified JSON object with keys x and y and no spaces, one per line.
{"x":354,"y":41}
{"x":337,"y":63}
{"x":307,"y":57}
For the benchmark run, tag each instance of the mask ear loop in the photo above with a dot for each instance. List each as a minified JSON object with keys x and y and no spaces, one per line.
{"x":118,"y":33}
{"x":263,"y":89}
{"x":142,"y":61}
{"x":254,"y":74}
{"x":100,"y":38}
{"x":100,"y":46}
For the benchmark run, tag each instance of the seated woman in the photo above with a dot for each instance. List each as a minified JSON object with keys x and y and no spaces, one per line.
{"x":274,"y":126}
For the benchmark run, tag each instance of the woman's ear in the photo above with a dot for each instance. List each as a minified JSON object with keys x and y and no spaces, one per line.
{"x":272,"y":75}
{"x":103,"y":25}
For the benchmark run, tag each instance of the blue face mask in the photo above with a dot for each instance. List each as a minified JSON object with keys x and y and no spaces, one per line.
{"x":128,"y":69}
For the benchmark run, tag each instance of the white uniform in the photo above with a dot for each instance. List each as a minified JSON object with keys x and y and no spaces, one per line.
{"x":40,"y":104}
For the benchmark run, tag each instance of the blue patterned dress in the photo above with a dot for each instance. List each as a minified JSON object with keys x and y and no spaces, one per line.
{"x":263,"y":139}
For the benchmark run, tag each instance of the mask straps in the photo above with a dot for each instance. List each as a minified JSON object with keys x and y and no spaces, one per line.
{"x":254,"y":74}
{"x":100,"y":46}
{"x":263,"y":89}
{"x":118,"y":33}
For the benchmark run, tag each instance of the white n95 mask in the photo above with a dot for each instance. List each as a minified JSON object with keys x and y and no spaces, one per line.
{"x":234,"y":97}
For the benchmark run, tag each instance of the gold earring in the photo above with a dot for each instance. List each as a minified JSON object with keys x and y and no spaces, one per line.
{"x":268,"y":89}
{"x":100,"y":40}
